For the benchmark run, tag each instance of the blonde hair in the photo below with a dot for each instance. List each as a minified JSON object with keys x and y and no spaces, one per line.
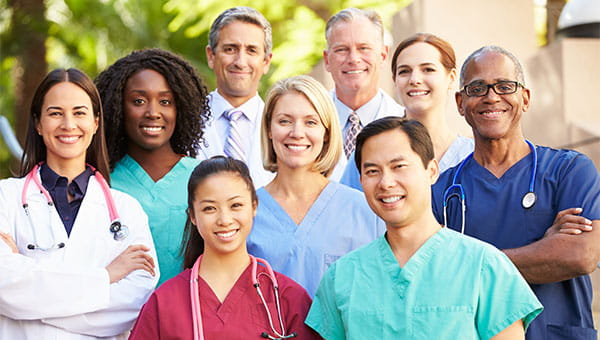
{"x":321,"y":100}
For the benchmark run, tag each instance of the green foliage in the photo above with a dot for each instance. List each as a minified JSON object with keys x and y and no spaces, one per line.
{"x":92,"y":34}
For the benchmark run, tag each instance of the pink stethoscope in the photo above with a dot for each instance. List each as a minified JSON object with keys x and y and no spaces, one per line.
{"x":197,"y":315}
{"x":119,"y":231}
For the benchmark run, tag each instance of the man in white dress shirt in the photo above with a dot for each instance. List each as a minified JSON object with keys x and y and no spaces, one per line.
{"x":354,"y":56}
{"x":239,"y":52}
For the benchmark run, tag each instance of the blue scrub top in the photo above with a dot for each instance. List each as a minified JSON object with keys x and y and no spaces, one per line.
{"x":565,"y":179}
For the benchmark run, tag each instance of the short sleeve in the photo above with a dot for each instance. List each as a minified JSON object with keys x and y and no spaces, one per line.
{"x":580,"y":187}
{"x":504,"y":296}
{"x":324,"y":315}
{"x":146,"y":326}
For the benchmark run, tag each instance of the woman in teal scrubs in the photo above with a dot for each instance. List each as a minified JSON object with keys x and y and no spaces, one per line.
{"x":155,"y":111}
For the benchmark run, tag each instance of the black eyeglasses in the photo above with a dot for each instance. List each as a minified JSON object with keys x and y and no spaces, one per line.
{"x":501,"y":87}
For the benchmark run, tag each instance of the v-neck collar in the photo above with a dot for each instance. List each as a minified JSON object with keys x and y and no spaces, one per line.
{"x":313,"y":213}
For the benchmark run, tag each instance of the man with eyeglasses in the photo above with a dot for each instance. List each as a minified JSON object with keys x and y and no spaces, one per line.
{"x":541,"y":206}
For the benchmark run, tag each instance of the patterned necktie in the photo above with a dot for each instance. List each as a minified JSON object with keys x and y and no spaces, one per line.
{"x":234,"y":147}
{"x":351,"y":132}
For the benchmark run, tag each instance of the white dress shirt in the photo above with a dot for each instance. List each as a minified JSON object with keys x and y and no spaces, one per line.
{"x":215,"y":134}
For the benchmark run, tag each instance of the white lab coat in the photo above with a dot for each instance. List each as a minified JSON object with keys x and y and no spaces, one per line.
{"x":66,"y":293}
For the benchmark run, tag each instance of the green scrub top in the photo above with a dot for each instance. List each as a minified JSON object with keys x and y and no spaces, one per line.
{"x":453,"y":287}
{"x":164,"y":201}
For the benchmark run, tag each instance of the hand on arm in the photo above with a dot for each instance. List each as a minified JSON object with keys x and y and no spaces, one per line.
{"x":10,"y":242}
{"x":133,"y":258}
{"x":569,"y":248}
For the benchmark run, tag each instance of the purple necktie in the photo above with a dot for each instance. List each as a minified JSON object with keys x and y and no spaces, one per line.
{"x":234,"y":147}
{"x":351,"y":133}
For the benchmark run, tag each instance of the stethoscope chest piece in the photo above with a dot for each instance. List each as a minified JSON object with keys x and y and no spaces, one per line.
{"x":120,"y":231}
{"x":528,"y":200}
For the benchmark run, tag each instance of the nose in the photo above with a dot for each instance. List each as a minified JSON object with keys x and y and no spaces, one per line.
{"x":415,"y":77}
{"x":225,"y":218}
{"x":387,"y":180}
{"x":154,"y":110}
{"x":491,"y":96}
{"x":68,"y":121}
{"x":297,"y":130}
{"x":353,"y":56}
{"x":240,"y":59}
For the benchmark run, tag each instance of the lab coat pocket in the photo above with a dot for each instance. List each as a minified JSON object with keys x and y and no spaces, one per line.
{"x":562,"y":332}
{"x":453,"y":321}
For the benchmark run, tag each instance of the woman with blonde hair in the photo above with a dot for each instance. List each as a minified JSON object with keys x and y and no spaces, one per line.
{"x":299,"y":227}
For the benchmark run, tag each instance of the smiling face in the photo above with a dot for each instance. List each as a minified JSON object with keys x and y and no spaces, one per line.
{"x":67,"y":124}
{"x":296,"y":131}
{"x":354,"y":56}
{"x":149,"y":112}
{"x":223,"y":212}
{"x":421,"y":81}
{"x":239,"y":61}
{"x":396,"y":184}
{"x":493,"y":116}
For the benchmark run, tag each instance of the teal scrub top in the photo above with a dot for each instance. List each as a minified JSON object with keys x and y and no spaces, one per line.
{"x":164,"y":201}
{"x":453,"y":287}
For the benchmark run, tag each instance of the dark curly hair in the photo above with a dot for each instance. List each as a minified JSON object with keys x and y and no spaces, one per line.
{"x":191,"y":100}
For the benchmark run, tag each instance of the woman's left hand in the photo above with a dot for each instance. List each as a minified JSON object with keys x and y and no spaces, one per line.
{"x":10,"y":242}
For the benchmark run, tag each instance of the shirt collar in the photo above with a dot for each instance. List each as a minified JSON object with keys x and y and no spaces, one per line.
{"x":51,"y":179}
{"x":220,"y":105}
{"x":367,"y":112}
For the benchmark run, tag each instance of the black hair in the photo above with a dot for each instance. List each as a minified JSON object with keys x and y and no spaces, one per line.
{"x":192,"y":244}
{"x":35,"y":149}
{"x":420,"y":141}
{"x":191,"y":99}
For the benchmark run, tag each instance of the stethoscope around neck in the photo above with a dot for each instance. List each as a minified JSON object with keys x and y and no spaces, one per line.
{"x":195,"y":297}
{"x":456,"y":189}
{"x":120,"y":231}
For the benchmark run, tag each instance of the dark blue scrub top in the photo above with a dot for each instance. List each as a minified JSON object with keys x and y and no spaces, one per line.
{"x":565,"y":179}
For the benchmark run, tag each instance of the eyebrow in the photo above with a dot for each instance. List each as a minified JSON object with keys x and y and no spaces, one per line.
{"x":368,"y":164}
{"x":212,"y":201}
{"x":79,"y":107}
{"x":145,"y":92}
{"x":422,"y":64}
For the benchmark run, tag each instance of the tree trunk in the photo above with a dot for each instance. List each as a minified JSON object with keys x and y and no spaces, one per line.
{"x":29,"y":23}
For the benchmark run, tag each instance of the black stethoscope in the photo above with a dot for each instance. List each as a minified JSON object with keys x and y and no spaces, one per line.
{"x":195,"y":296}
{"x":120,"y":231}
{"x":457,"y":190}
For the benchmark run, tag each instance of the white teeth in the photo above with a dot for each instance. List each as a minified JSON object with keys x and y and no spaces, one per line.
{"x":492,"y":112}
{"x":68,"y":139}
{"x":391,"y":199}
{"x":355,"y":72}
{"x":297,"y":147}
{"x":420,"y":93}
{"x":227,"y":234}
{"x":152,"y":128}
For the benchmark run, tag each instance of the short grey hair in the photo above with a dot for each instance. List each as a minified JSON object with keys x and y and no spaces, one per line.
{"x":349,"y":14}
{"x":493,"y":49}
{"x":244,"y":14}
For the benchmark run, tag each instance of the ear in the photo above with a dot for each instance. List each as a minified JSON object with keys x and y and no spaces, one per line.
{"x":38,"y":127}
{"x":526,"y":97}
{"x":433,"y":168}
{"x":452,"y":76}
{"x":96,"y":120}
{"x":459,"y":99}
{"x":267,"y":63}
{"x":190,"y":213}
{"x":384,"y":52}
{"x":210,"y":57}
{"x":254,"y":208}
{"x":326,"y":59}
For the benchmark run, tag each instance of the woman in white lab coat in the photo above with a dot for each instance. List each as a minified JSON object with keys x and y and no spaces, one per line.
{"x":77,"y":261}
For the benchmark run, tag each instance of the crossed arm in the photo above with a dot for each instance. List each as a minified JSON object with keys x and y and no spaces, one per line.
{"x":569,"y":248}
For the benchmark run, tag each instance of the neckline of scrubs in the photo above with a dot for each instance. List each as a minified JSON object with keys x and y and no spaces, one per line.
{"x":313,"y":213}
